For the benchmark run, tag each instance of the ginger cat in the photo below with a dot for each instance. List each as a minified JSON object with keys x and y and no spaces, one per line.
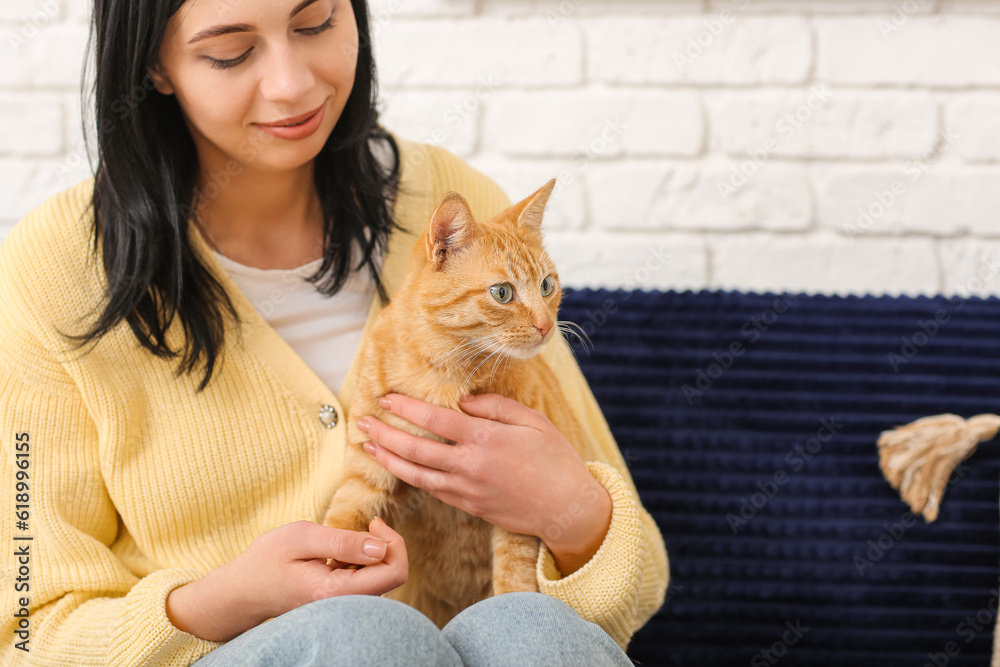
{"x":476,"y":304}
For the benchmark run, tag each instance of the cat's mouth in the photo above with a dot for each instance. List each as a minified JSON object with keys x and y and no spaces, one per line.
{"x":526,"y":351}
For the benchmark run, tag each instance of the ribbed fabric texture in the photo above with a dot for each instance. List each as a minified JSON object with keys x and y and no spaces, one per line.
{"x":824,"y":541}
{"x":137,"y":484}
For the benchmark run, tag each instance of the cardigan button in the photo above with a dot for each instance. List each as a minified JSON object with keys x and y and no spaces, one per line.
{"x":328,"y":416}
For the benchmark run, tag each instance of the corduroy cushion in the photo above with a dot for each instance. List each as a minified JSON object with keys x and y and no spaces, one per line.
{"x":749,"y":424}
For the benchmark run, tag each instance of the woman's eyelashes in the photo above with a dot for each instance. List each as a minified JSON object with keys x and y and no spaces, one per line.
{"x":226,"y":64}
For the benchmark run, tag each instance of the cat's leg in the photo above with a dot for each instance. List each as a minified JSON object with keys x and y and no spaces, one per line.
{"x":370,"y":491}
{"x":514,"y":558}
{"x":367,"y":490}
{"x":355,"y":504}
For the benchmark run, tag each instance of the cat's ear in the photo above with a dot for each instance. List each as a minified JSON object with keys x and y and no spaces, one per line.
{"x":452,"y":228}
{"x":533,"y":206}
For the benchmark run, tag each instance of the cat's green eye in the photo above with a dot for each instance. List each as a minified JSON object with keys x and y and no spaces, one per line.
{"x":502,"y":292}
{"x":548,"y":284}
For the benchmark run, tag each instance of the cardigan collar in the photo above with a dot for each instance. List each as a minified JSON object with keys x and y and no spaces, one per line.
{"x":413,"y":207}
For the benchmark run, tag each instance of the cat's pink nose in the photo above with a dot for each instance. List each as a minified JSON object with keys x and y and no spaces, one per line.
{"x":544,"y":329}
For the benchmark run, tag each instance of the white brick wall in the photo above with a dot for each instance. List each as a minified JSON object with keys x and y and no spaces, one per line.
{"x":833,"y":146}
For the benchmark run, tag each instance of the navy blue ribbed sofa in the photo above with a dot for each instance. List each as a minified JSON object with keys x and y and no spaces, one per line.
{"x":749,"y":424}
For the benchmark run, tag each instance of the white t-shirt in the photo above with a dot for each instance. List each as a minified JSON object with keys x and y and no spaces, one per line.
{"x":324,"y":331}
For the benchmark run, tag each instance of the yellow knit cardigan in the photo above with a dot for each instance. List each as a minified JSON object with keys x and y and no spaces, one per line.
{"x":130,"y":484}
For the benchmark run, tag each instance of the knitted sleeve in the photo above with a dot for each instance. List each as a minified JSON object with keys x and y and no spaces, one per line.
{"x":67,"y":599}
{"x":625,"y":582}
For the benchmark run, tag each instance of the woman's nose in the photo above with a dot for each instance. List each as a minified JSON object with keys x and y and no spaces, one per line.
{"x":287,"y":77}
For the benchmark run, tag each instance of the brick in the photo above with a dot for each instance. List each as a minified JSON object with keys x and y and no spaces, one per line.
{"x":386,"y":10}
{"x":34,"y":13}
{"x":27,"y":182}
{"x":441,"y":118}
{"x":715,"y":48}
{"x":78,"y":11}
{"x":520,"y":178}
{"x":73,"y":123}
{"x":873,"y":50}
{"x":822,"y":122}
{"x":592,"y":125}
{"x":558,"y":11}
{"x":52,"y":56}
{"x":461,"y":53}
{"x":823,"y":263}
{"x":827,"y":6}
{"x":975,"y":117}
{"x":661,"y":195}
{"x":971,"y":6}
{"x":75,"y":155}
{"x":613,"y":261}
{"x":31,"y":124}
{"x":931,"y":197}
{"x":970,"y":267}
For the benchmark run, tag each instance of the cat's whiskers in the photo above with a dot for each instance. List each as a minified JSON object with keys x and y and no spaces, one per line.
{"x":503,"y":357}
{"x":458,"y":365}
{"x":565,"y":327}
{"x":505,"y":362}
{"x":473,"y":372}
{"x":462,"y":351}
{"x":444,"y":358}
{"x":461,"y":363}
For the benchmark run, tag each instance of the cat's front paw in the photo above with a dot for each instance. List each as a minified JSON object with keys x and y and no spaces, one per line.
{"x":346,"y":517}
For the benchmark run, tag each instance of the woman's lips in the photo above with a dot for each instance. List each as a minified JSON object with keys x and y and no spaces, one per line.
{"x":307,"y":125}
{"x":293,"y":120}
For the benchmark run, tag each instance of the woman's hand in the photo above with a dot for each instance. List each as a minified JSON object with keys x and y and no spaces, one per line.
{"x":286,"y":568}
{"x":509,"y":466}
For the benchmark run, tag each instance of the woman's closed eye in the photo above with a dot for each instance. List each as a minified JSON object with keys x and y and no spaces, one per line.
{"x":226,"y":64}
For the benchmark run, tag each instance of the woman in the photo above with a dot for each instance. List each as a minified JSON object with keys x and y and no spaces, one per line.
{"x":173,"y":452}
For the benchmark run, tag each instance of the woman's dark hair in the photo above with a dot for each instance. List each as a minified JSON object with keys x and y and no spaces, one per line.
{"x":145,"y":190}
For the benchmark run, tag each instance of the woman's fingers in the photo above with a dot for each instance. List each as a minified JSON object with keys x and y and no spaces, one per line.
{"x":445,"y":422}
{"x":495,"y":407}
{"x":421,"y":451}
{"x":315,"y":541}
{"x":378,"y":578}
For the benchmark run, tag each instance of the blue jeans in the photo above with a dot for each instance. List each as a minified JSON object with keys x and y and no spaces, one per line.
{"x":519,"y":629}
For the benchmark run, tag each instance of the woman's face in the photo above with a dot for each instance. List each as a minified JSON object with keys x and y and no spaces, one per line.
{"x":235,"y":64}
